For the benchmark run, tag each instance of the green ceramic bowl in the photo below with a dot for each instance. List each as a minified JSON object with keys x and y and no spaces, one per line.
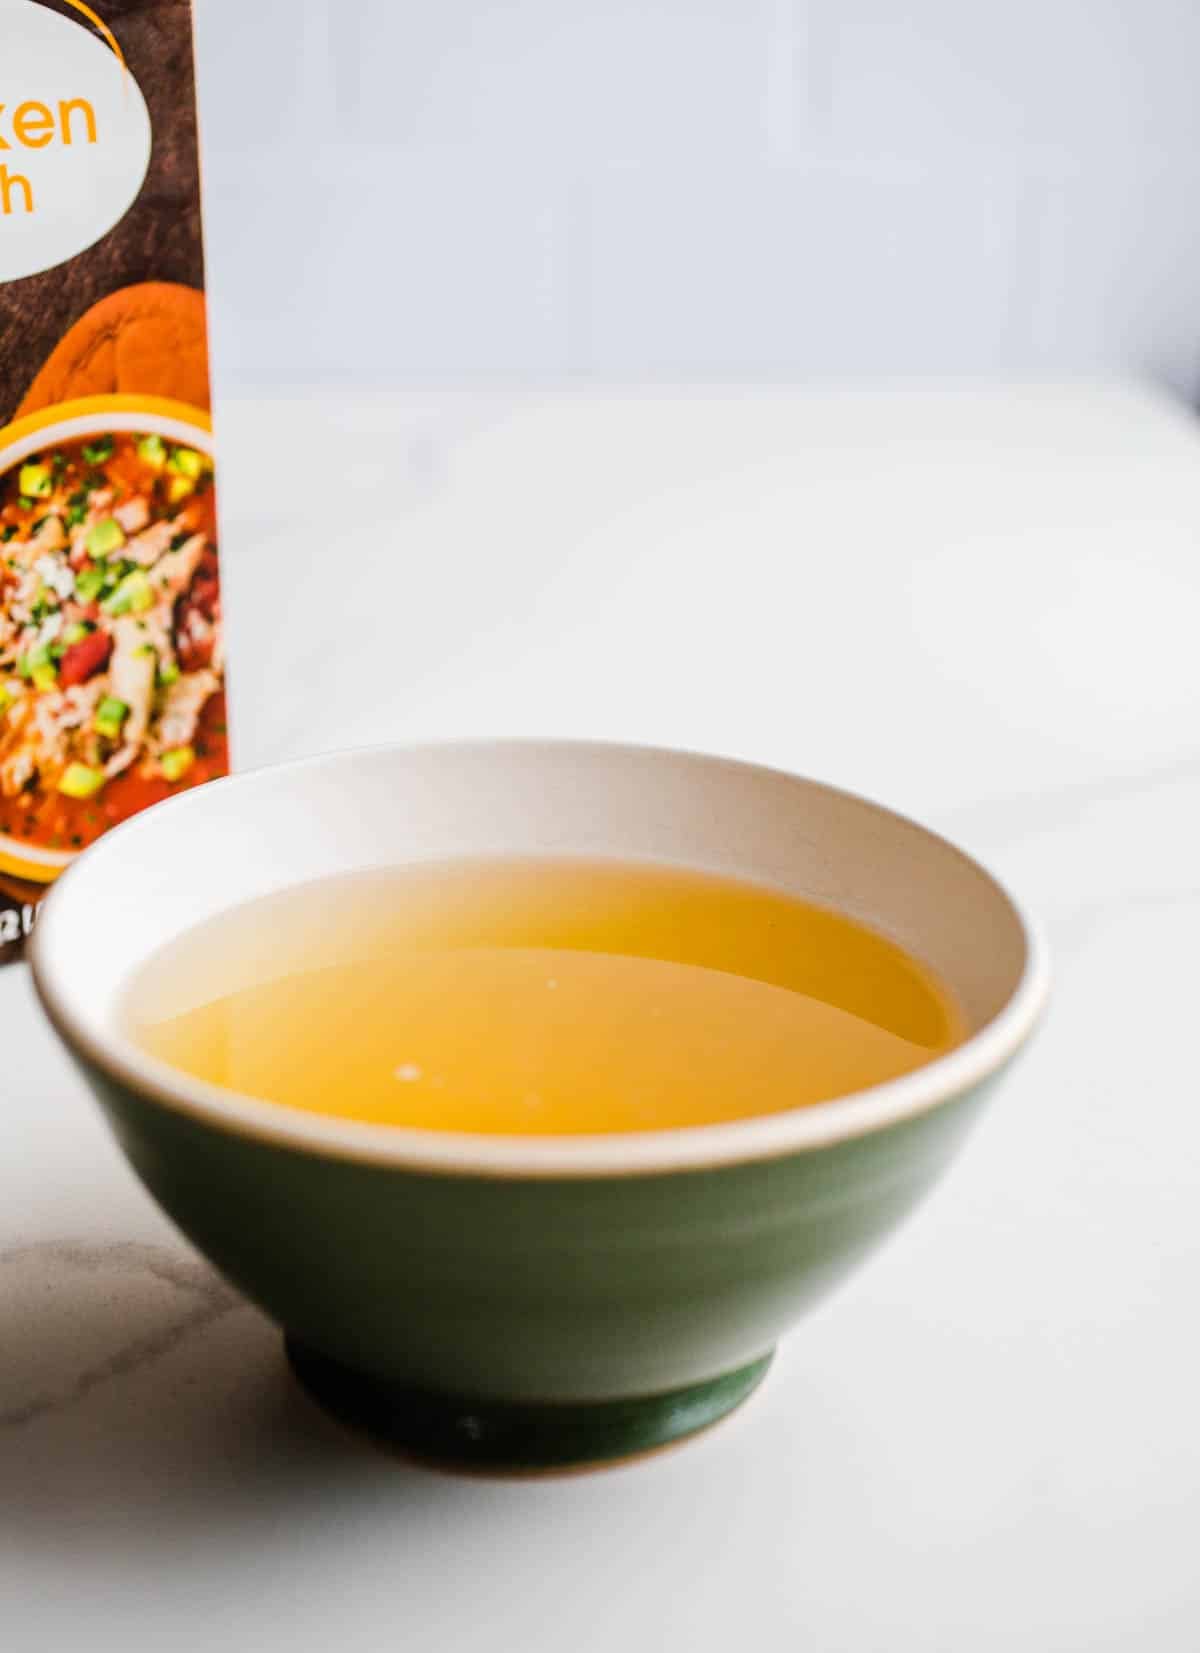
{"x":532,"y":1302}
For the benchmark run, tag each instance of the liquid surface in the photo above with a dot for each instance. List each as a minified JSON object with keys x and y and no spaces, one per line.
{"x":539,"y":997}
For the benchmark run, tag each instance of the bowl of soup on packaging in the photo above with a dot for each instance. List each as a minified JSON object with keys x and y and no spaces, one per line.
{"x":535,"y":1089}
{"x":112,"y":664}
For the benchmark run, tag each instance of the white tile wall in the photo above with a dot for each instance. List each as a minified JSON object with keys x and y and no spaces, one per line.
{"x":536,"y":80}
{"x":1081,"y":79}
{"x":535,"y":190}
{"x":814,"y":269}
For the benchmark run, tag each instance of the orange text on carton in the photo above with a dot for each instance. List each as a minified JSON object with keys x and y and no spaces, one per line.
{"x":36,"y":125}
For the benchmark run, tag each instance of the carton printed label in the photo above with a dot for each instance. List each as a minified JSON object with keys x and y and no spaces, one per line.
{"x":112,"y":659}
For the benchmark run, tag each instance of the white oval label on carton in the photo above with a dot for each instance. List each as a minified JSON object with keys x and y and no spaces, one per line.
{"x":74,"y":138}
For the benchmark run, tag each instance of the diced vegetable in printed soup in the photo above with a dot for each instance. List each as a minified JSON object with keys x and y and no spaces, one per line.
{"x":111,"y":645}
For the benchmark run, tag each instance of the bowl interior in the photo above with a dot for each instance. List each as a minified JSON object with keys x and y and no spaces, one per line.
{"x":234,"y":840}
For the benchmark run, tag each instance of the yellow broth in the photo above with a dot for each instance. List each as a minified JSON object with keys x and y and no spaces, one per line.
{"x":539,"y":997}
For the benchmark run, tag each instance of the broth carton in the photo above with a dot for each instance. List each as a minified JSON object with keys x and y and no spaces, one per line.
{"x":112,"y":666}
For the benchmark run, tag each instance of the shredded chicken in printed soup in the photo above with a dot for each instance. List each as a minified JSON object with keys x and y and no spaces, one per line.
{"x":111,"y":649}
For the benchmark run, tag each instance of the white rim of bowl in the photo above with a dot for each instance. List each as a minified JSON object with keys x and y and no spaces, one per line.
{"x":644,"y":1153}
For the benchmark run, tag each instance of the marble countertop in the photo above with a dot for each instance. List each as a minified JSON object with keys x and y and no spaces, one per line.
{"x":980,"y":605}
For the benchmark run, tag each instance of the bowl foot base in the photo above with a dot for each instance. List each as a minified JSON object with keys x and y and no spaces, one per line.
{"x":523,"y":1438}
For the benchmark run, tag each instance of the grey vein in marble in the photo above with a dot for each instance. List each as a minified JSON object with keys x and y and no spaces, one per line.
{"x":205,"y":1295}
